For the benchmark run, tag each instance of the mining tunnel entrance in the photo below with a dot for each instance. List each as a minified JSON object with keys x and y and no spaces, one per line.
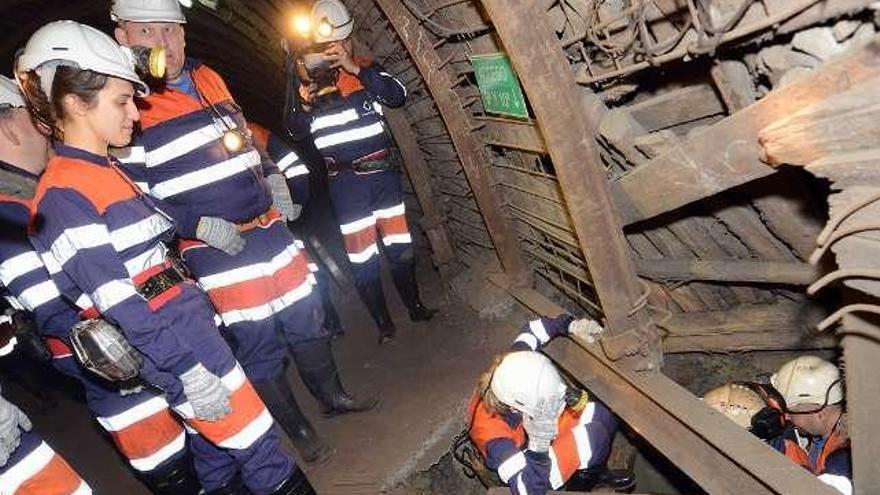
{"x":698,"y":176}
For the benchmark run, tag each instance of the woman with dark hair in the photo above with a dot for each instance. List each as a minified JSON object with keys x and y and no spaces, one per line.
{"x":98,"y":235}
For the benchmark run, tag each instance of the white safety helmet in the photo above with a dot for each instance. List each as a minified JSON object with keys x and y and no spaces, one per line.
{"x":808,"y":380}
{"x":10,"y":94}
{"x":70,"y":43}
{"x":737,"y":402}
{"x":147,"y":11}
{"x":523,"y":379}
{"x":331,"y":21}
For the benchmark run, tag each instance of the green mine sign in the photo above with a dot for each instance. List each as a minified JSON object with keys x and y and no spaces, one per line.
{"x":499,"y":86}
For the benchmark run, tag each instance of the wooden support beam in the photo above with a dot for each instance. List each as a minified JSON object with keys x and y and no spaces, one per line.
{"x":861,"y":351}
{"x":726,"y":154}
{"x":471,"y":152}
{"x":729,"y":271}
{"x":569,"y":133}
{"x":843,"y":123}
{"x":766,"y":327}
{"x":433,"y":219}
{"x":677,"y":107}
{"x":719,"y":455}
{"x":511,"y":134}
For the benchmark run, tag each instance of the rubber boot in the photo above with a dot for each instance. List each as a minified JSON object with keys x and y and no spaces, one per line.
{"x":404,"y":277}
{"x":314,"y":360}
{"x":600,"y":477}
{"x":176,"y":477}
{"x":234,"y":487}
{"x":296,"y":484}
{"x":373,"y":296}
{"x":331,"y":318}
{"x":279,"y":398}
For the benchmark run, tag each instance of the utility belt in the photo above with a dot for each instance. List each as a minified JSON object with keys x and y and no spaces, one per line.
{"x":261,"y":220}
{"x":369,"y":164}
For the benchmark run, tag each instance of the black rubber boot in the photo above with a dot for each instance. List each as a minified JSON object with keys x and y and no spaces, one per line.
{"x":374,"y":297}
{"x":234,"y":487}
{"x":600,"y":477}
{"x":282,"y":404}
{"x":404,"y":277}
{"x":296,"y":484}
{"x":176,"y":477}
{"x":331,"y":322}
{"x":314,"y":360}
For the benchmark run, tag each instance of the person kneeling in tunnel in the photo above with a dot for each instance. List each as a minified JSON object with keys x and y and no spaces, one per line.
{"x":533,"y":428}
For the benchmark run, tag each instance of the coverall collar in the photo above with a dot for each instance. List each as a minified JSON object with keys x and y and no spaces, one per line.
{"x":80,"y":154}
{"x":12,"y":169}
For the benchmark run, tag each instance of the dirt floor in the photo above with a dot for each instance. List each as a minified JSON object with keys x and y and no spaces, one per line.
{"x":424,"y":379}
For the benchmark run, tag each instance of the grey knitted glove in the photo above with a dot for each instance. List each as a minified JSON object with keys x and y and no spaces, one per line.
{"x":208,"y":395}
{"x":586,"y":329}
{"x":12,"y":421}
{"x":221,"y":234}
{"x":542,"y":427}
{"x":281,"y":198}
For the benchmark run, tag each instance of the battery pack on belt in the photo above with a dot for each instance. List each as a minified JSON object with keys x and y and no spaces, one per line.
{"x":160,"y":282}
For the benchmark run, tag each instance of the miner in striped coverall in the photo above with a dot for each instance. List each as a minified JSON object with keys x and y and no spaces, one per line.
{"x":140,"y":423}
{"x":230,"y":205}
{"x":344,"y":102}
{"x":533,"y":429}
{"x":98,"y":234}
{"x":28,"y":465}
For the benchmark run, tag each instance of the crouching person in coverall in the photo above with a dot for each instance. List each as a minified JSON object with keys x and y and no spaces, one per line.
{"x":28,"y":465}
{"x":344,"y":99}
{"x":533,"y":429}
{"x":800,"y":413}
{"x":194,"y":153}
{"x":815,"y":434}
{"x":99,"y":235}
{"x":140,"y":422}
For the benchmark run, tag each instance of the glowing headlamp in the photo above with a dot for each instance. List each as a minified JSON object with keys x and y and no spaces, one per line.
{"x":302,"y":25}
{"x":233,"y":141}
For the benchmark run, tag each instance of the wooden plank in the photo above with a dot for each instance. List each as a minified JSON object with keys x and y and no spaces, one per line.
{"x":677,"y":107}
{"x":780,"y":326}
{"x":720,"y":456}
{"x":433,"y":219}
{"x":861,"y":351}
{"x":515,"y":135}
{"x":569,"y":133}
{"x":726,"y":154}
{"x":794,"y":273}
{"x":843,"y":123}
{"x":471,"y":153}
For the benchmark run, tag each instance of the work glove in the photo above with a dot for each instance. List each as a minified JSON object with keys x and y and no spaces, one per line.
{"x":208,"y":395}
{"x":585,"y":328}
{"x":542,"y":426}
{"x":11,"y":419}
{"x":281,"y":198}
{"x":220,"y":234}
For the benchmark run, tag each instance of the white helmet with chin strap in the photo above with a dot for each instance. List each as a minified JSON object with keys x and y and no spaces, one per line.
{"x":147,"y":11}
{"x":525,"y":379}
{"x":331,"y":21}
{"x":807,"y":381}
{"x":72,"y":44}
{"x":10,"y":94}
